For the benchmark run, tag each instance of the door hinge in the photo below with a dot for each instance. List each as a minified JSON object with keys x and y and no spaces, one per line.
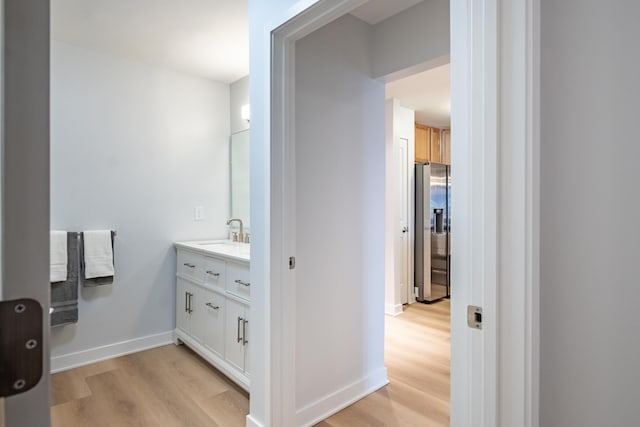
{"x":292,"y":262}
{"x":474,"y":317}
{"x":20,"y":346}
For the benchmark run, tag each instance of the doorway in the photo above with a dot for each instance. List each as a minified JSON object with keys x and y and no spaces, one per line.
{"x":417,"y":336}
{"x":473,"y":354}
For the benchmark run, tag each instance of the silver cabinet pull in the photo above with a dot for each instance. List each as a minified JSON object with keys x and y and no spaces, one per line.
{"x":244,"y":332}
{"x":212,"y":273}
{"x":186,"y":302}
{"x":189,"y":296}
{"x":240,"y":282}
{"x":187,"y":264}
{"x":240,"y":319}
{"x":215,"y":307}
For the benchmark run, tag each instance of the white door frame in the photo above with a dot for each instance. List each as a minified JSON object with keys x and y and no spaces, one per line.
{"x":494,"y":62}
{"x":25,"y":182}
{"x":401,"y":145}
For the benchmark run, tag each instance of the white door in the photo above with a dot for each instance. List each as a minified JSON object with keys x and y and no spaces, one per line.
{"x":402,"y":247}
{"x":25,"y":211}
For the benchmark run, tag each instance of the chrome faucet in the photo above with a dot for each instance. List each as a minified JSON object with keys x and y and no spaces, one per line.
{"x":241,"y":234}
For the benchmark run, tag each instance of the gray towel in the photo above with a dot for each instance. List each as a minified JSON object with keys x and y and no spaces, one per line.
{"x":64,"y":295}
{"x":96,"y":281}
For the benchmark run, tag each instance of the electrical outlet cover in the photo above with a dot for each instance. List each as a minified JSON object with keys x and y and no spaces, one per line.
{"x":198,"y":213}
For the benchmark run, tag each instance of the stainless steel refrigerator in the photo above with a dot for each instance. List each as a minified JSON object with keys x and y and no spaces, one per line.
{"x":432,"y":267}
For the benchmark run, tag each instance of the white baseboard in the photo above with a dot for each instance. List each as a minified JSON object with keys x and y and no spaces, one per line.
{"x":393,"y":310}
{"x":252,"y":422}
{"x":337,"y":401}
{"x":85,"y":357}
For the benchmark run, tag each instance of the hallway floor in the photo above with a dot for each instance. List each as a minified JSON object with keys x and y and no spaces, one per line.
{"x":417,"y":357}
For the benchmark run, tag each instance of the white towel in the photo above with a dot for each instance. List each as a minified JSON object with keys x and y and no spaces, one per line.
{"x":98,"y":254}
{"x":58,"y":256}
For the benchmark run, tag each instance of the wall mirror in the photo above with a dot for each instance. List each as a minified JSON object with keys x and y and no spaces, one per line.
{"x":240,"y":176}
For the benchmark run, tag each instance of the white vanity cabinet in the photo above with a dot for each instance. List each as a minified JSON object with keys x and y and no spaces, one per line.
{"x":212,"y":308}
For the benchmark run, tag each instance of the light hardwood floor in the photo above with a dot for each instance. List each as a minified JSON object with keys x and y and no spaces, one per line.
{"x":166,"y":386}
{"x":172,"y":386}
{"x":417,"y":357}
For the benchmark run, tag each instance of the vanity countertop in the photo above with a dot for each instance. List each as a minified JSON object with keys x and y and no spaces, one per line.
{"x":222,"y":248}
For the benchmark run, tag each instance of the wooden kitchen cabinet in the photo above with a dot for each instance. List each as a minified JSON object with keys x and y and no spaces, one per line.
{"x":422,"y":143}
{"x":436,"y":149}
{"x":432,"y":145}
{"x":446,"y":146}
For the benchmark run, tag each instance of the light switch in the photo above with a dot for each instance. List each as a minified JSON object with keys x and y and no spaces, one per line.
{"x":198,"y":213}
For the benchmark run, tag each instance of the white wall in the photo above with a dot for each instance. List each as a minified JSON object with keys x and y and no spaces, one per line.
{"x":340,"y":215}
{"x":414,"y":40}
{"x":239,"y":92}
{"x":134,"y":148}
{"x":590,"y":99}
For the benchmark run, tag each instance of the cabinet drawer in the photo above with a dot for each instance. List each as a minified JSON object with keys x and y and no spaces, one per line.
{"x":191,"y":265}
{"x":238,"y":280}
{"x":214,"y":272}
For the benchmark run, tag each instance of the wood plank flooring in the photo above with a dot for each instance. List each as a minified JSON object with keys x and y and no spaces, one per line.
{"x":417,"y":357}
{"x":172,"y":386}
{"x":166,"y":386}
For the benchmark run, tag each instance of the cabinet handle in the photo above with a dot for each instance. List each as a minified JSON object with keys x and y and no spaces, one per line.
{"x":245,"y":341}
{"x":240,"y":282}
{"x":186,"y":302}
{"x":215,"y":307}
{"x":187,"y":264}
{"x":190,"y":309}
{"x":211,"y":273}
{"x":240,"y":319}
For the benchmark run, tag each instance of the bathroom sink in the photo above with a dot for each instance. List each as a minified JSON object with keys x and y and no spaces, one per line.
{"x":228,"y":243}
{"x":227,"y":247}
{"x":224,"y":248}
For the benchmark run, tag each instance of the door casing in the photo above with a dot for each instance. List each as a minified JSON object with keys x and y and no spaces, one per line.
{"x":495,"y":123}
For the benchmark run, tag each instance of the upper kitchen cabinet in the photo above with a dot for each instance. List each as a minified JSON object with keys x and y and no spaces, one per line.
{"x":432,"y":145}
{"x":422,"y":144}
{"x":436,"y":149}
{"x":446,"y":146}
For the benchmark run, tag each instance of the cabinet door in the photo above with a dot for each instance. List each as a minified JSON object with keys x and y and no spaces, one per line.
{"x":422,"y":144}
{"x":446,"y":146}
{"x":234,"y":344}
{"x":436,"y":150}
{"x":245,"y":334}
{"x":213,"y":310}
{"x":182,"y":305}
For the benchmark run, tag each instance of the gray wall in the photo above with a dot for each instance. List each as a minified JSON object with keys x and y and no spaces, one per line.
{"x":239,"y":97}
{"x":339,"y":291}
{"x":134,"y":148}
{"x":414,"y":40}
{"x":590,"y":236}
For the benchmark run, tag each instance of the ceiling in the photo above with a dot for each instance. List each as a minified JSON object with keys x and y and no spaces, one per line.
{"x":375,"y":11}
{"x":428,"y":93}
{"x":207,"y":38}
{"x":210,"y":38}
